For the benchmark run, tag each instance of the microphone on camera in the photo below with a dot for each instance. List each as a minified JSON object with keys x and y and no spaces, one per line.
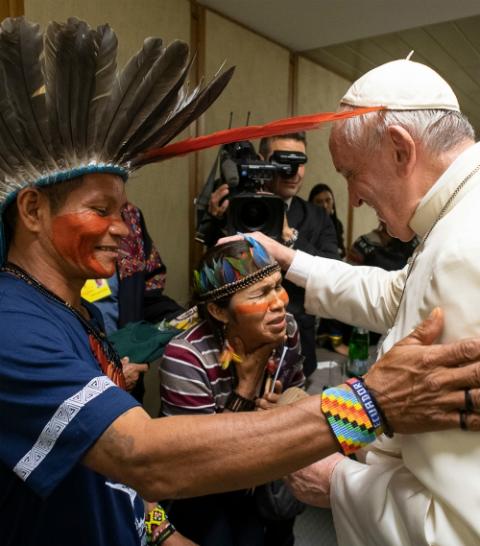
{"x":229,"y":172}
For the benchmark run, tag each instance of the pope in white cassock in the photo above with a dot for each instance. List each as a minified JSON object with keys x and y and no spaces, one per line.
{"x":416,"y":163}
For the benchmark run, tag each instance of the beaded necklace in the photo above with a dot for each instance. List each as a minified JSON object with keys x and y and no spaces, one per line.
{"x":102,"y":349}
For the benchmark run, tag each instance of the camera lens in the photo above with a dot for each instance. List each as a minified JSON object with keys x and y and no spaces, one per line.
{"x":254,"y":214}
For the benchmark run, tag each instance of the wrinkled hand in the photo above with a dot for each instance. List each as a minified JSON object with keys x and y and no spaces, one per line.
{"x":251,"y":368}
{"x":282,"y":254}
{"x":270,"y":399}
{"x":132,"y":371}
{"x":216,"y":209}
{"x":311,"y":484}
{"x":420,"y":386}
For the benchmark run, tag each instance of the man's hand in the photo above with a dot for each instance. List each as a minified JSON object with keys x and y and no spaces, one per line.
{"x":311,"y":484}
{"x":269,"y":400}
{"x":282,"y":254}
{"x":132,"y":371}
{"x":421,"y":387}
{"x":216,"y":209}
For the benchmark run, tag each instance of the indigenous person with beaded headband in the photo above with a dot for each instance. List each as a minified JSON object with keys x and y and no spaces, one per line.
{"x":416,"y":163}
{"x":71,"y":130}
{"x":239,"y":356}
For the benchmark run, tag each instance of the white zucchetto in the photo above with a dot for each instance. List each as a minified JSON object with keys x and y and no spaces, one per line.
{"x":402,"y":85}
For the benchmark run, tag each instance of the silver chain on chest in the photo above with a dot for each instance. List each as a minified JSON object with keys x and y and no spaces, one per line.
{"x":413,"y":259}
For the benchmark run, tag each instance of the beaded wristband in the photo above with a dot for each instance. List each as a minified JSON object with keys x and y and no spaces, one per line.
{"x":157,"y":526}
{"x":348,"y":418}
{"x":366,"y":400}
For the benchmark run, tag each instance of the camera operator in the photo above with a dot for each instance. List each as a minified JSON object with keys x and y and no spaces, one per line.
{"x":305,"y":227}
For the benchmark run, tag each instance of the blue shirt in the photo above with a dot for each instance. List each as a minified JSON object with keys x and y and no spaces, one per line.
{"x":55,"y":402}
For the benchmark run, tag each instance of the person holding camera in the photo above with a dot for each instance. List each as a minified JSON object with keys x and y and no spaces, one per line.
{"x":305,"y":227}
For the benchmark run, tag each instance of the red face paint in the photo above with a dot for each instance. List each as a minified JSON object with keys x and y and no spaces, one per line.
{"x":76,"y":235}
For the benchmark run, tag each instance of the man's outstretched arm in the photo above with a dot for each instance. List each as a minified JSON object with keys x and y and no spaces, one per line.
{"x":419,"y":387}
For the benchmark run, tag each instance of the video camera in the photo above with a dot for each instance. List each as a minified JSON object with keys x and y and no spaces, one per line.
{"x":251,"y":208}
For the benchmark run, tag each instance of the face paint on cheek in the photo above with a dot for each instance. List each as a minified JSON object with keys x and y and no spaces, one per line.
{"x":251,"y":308}
{"x":75,"y":236}
{"x":254,"y":308}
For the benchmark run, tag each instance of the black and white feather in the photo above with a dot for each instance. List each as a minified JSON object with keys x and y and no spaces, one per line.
{"x":64,"y":105}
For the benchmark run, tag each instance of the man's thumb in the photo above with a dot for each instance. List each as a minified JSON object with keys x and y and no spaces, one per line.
{"x":428,"y":331}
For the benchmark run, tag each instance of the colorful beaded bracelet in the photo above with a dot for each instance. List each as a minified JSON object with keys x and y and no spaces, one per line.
{"x":352,"y":415}
{"x":368,"y":400}
{"x":157,"y":526}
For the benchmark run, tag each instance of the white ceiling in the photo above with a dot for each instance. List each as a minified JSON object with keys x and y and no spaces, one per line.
{"x":308,"y":24}
{"x":350,"y":37}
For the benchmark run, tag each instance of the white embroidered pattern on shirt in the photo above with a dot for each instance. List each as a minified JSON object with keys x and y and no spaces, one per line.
{"x":65,"y":413}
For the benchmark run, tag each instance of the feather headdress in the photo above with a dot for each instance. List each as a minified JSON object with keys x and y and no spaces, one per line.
{"x":237,"y":265}
{"x":66,"y":111}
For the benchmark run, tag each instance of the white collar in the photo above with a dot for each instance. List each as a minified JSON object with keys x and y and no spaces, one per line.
{"x":437,"y":196}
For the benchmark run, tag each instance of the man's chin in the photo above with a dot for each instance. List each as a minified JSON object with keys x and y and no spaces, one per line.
{"x":101,"y":269}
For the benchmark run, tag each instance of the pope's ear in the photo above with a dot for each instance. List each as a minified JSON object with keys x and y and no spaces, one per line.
{"x":404,"y":149}
{"x":31,"y":205}
{"x":217,"y":312}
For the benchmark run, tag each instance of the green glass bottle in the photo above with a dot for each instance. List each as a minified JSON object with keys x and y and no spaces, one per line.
{"x":358,"y":356}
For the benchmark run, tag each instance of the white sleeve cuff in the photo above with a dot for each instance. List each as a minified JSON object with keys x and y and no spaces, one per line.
{"x":300,"y":268}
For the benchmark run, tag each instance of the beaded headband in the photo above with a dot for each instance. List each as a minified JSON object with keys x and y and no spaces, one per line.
{"x":238,"y":268}
{"x":230,"y":288}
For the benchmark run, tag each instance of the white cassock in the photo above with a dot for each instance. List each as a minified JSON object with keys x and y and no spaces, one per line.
{"x":417,"y":489}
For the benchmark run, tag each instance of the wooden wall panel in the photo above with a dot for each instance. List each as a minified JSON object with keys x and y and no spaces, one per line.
{"x":260,"y":84}
{"x":162,"y":190}
{"x":11,"y":8}
{"x":319,"y":90}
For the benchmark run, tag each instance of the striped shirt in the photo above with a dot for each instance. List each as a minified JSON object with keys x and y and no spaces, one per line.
{"x":192,"y":380}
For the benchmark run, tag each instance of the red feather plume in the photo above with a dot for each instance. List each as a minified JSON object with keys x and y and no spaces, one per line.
{"x":278,"y":127}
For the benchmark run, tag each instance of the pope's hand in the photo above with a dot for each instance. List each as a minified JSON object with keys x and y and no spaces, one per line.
{"x":311,"y":484}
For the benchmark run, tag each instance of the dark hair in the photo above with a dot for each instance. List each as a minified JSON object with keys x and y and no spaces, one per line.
{"x":56,"y":195}
{"x":265,"y":143}
{"x":319,"y":188}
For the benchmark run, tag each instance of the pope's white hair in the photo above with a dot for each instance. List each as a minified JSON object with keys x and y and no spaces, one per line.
{"x":438,"y":131}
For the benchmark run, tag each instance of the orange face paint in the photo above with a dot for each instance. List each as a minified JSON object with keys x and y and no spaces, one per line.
{"x":76,"y":235}
{"x":260,"y":307}
{"x":252,"y":308}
